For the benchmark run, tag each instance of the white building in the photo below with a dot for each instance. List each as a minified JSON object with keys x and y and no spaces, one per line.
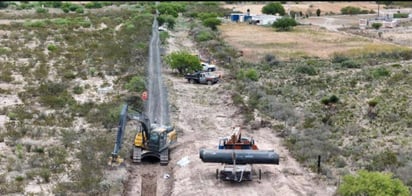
{"x":265,"y":19}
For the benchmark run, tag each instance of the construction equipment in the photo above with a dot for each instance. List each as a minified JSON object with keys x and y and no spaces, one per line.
{"x":151,"y":140}
{"x":238,"y":153}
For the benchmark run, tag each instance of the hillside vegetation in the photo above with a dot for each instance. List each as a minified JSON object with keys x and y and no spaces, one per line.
{"x":65,"y":76}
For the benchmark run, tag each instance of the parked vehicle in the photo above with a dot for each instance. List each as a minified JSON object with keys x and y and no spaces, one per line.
{"x":202,"y":78}
{"x":208,"y":67}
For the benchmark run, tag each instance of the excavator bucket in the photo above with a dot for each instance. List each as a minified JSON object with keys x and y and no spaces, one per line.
{"x":115,"y":161}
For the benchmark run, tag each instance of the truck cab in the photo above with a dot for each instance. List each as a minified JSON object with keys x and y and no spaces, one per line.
{"x":208,"y":67}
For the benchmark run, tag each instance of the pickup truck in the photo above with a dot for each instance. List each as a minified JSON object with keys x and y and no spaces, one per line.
{"x":208,"y":67}
{"x":202,"y":78}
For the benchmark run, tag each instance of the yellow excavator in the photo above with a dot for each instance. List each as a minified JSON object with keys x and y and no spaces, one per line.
{"x":151,"y":140}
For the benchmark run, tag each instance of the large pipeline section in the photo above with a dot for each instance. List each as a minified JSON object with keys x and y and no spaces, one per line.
{"x":241,"y":156}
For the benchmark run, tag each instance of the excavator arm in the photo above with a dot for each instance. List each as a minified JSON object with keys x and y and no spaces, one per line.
{"x":120,"y":133}
{"x":124,"y":117}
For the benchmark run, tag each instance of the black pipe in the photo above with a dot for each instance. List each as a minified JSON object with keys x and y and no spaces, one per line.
{"x":241,"y":156}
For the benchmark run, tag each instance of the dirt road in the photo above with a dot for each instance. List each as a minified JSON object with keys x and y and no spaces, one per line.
{"x":202,"y":114}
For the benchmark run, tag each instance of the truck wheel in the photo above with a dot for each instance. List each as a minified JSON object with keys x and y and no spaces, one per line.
{"x":209,"y":82}
{"x":191,"y":81}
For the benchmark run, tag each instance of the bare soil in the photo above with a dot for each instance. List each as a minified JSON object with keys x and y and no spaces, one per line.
{"x":302,"y":41}
{"x":306,"y":6}
{"x":202,"y":114}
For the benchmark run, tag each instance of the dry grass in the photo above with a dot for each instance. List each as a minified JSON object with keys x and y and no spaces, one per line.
{"x":307,"y":6}
{"x":256,"y":41}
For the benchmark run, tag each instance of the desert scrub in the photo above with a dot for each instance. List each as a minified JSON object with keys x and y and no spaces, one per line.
{"x":92,"y":159}
{"x":380,"y":72}
{"x":249,"y":74}
{"x":163,"y":37}
{"x":306,"y":69}
{"x":54,"y":95}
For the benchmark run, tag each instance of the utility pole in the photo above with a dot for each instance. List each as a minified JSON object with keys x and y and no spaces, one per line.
{"x":378,"y":9}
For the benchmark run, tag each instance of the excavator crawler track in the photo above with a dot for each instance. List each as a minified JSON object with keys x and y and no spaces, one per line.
{"x":164,"y":157}
{"x":137,"y":155}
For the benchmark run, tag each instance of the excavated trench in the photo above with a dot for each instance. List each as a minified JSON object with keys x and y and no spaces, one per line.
{"x":143,"y":178}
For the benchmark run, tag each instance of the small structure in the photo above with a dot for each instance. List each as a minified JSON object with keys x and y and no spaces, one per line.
{"x":386,"y":22}
{"x":363,"y":23}
{"x":264,"y":19}
{"x":390,"y":24}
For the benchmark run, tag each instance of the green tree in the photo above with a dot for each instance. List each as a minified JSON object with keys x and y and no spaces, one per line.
{"x":285,"y":23}
{"x":161,"y":20}
{"x":372,"y":183}
{"x":212,"y":23}
{"x":183,"y":61}
{"x":170,"y":22}
{"x":318,"y":12}
{"x":3,"y":4}
{"x":273,"y":8}
{"x":376,"y":25}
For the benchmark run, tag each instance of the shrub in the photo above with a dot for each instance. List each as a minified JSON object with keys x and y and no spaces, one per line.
{"x":350,"y":64}
{"x":252,"y":74}
{"x":400,"y":15}
{"x":92,"y":5}
{"x":274,"y":8}
{"x":45,"y":174}
{"x":203,"y":36}
{"x":325,"y":101}
{"x":161,"y":20}
{"x":66,"y":10}
{"x":373,"y":103}
{"x":163,"y":37}
{"x":40,"y":10}
{"x":205,"y":15}
{"x":54,"y":94}
{"x":306,"y":69}
{"x":338,"y":58}
{"x":79,"y":10}
{"x":169,"y":19}
{"x":78,"y":90}
{"x":380,"y":72}
{"x":136,"y":84}
{"x":39,"y":23}
{"x":285,"y":23}
{"x":51,"y":47}
{"x":328,"y":100}
{"x":271,"y":59}
{"x":170,"y":22}
{"x":350,"y":10}
{"x":19,"y":178}
{"x":73,"y":7}
{"x":318,"y":12}
{"x":212,"y":23}
{"x":377,"y":25}
{"x":333,"y":99}
{"x":372,"y":183}
{"x":6,"y":76}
